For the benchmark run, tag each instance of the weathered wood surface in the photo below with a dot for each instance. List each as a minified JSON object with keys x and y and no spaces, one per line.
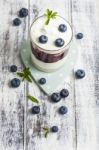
{"x":11,"y":100}
{"x":79,"y":129}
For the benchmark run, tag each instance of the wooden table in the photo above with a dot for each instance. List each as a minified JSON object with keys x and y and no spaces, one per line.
{"x":79,"y":130}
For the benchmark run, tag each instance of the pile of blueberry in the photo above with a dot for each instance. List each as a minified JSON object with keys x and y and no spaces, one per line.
{"x":22,"y":13}
{"x":43,"y":39}
{"x":55,"y":97}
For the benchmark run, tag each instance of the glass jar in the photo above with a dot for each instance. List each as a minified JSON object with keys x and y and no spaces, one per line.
{"x":47,"y":57}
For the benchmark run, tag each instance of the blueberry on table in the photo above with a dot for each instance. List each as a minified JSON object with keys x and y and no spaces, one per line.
{"x":80,"y":74}
{"x":23,"y":12}
{"x":16,"y":22}
{"x":36,"y":109}
{"x":55,"y":97}
{"x":54,"y":129}
{"x":42,"y":81}
{"x":13,"y":68}
{"x":59,"y":42}
{"x":63,"y":110}
{"x":43,"y":39}
{"x":79,"y":36}
{"x":62,"y":28}
{"x":15,"y":83}
{"x":64,"y":93}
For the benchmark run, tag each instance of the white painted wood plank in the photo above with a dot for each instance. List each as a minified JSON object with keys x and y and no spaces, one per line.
{"x":85,"y":21}
{"x":65,"y":139}
{"x":11,"y":100}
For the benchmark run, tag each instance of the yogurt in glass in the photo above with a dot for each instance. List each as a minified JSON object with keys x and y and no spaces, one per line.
{"x":48,"y":56}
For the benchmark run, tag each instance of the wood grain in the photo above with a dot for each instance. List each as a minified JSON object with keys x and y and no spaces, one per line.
{"x":84,"y":20}
{"x":11,"y":100}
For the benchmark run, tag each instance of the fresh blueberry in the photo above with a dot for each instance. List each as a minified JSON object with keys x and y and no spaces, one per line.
{"x":64,"y":93}
{"x":63,"y":110}
{"x":54,"y":129}
{"x":15,"y":83}
{"x":55,"y":97}
{"x":59,"y":42}
{"x":13,"y":68}
{"x":62,"y":28}
{"x":80,"y":74}
{"x":23,"y":12}
{"x":42,"y":81}
{"x":35,"y":109}
{"x":79,"y":36}
{"x":43,"y":39}
{"x":16,"y":22}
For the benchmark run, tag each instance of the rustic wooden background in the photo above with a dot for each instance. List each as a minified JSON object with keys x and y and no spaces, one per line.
{"x":79,"y":130}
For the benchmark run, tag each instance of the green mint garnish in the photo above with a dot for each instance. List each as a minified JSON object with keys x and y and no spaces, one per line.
{"x":33,"y":99}
{"x":25,"y":75}
{"x":46,"y":132}
{"x":50,"y":15}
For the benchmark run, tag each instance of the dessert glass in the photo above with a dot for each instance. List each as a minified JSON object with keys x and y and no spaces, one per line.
{"x":45,"y":59}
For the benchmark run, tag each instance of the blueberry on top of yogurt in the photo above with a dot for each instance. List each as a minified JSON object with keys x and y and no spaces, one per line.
{"x":62,"y":28}
{"x":59,"y":42}
{"x":43,"y":39}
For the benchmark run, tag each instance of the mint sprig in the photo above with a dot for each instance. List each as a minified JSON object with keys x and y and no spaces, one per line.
{"x":25,"y":75}
{"x":46,"y":132}
{"x":33,"y":99}
{"x":50,"y":15}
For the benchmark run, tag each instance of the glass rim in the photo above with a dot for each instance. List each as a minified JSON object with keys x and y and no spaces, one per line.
{"x":47,"y":50}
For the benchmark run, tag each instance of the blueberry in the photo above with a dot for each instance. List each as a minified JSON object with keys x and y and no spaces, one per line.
{"x":15,"y":82}
{"x":43,"y":39}
{"x":35,"y":109}
{"x":63,"y":110}
{"x":42,"y":81}
{"x":62,"y":28}
{"x":13,"y":68}
{"x":23,"y":12}
{"x":59,"y":42}
{"x":55,"y":97}
{"x":64,"y":93}
{"x":80,"y":74}
{"x":79,"y":36}
{"x":54,"y":129}
{"x":16,"y":22}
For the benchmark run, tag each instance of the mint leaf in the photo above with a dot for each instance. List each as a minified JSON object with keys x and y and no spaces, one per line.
{"x":33,"y":99}
{"x":50,"y":15}
{"x":47,"y":21}
{"x":28,"y":79}
{"x":25,"y":75}
{"x":20,"y":74}
{"x":46,"y":132}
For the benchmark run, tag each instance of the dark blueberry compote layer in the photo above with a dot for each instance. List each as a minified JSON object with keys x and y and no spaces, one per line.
{"x":48,"y":58}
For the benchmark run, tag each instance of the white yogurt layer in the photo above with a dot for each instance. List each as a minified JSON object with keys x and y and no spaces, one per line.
{"x":39,"y":28}
{"x":47,"y":67}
